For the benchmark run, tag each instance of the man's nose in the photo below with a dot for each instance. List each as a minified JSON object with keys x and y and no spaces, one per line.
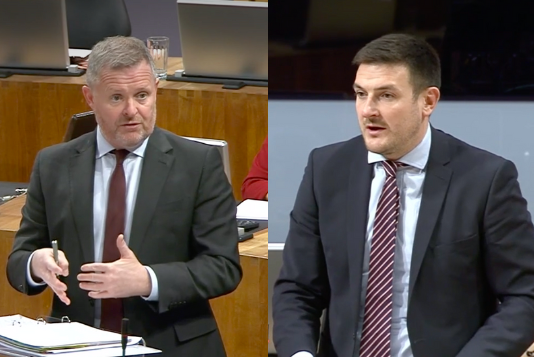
{"x":369,"y":108}
{"x":130,"y":109}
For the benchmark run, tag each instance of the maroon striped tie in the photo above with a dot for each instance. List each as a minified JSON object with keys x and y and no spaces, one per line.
{"x":376,"y":330}
{"x":112,"y":313}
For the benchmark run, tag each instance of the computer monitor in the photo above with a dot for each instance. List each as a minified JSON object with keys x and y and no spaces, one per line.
{"x":222,"y":146}
{"x":33,"y":34}
{"x":224,"y":39}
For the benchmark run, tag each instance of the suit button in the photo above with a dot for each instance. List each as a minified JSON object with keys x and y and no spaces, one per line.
{"x":21,"y":288}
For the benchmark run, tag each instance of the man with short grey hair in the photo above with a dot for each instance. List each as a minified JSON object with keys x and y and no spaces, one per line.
{"x":144,"y":219}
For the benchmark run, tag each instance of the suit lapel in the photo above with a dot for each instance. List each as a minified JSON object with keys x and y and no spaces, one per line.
{"x":156,"y":166}
{"x":435,"y":188}
{"x":81,"y":182}
{"x":359,"y":191}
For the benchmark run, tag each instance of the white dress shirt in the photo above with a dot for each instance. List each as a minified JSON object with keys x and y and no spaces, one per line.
{"x":410,"y":182}
{"x":104,"y":167}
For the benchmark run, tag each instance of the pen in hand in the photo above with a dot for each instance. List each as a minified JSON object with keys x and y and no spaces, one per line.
{"x":56,"y":254}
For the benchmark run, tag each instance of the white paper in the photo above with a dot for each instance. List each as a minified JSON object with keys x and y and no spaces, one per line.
{"x":76,"y":52}
{"x":112,"y":352}
{"x":103,"y":352}
{"x":31,"y":333}
{"x":58,"y":334}
{"x":253,"y":209}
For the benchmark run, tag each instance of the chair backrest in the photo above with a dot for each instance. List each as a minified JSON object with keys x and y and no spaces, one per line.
{"x":91,"y":21}
{"x":222,"y":147}
{"x":80,"y":124}
{"x":83,"y":123}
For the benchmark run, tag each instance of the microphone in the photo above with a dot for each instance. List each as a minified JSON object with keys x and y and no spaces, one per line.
{"x":124,"y":335}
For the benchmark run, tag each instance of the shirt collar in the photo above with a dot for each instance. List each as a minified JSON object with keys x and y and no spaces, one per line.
{"x":103,"y":146}
{"x":417,"y":158}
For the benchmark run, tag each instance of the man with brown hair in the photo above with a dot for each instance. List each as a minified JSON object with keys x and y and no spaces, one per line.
{"x":416,"y":243}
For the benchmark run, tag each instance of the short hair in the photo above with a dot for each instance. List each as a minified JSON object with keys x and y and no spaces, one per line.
{"x":117,"y":52}
{"x":416,"y":54}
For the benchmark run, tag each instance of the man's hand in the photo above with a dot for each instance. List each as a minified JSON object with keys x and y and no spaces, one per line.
{"x":43,"y":267}
{"x":119,"y":279}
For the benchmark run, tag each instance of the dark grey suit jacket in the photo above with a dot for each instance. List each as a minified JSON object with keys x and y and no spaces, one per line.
{"x":473,"y":247}
{"x":183,"y":227}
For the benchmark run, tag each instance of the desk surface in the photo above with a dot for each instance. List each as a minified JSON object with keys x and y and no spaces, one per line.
{"x":175,"y":63}
{"x":257,"y":246}
{"x":10,"y":214}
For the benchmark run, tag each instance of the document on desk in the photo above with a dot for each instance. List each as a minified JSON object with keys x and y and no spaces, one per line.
{"x":26,"y":335}
{"x":103,"y":352}
{"x":253,"y":209}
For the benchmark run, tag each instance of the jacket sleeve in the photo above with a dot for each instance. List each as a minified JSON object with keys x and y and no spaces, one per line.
{"x":509,"y":265}
{"x":302,"y":290}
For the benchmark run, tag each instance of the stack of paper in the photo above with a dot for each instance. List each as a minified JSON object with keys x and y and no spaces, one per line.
{"x":20,"y":333}
{"x":253,"y":209}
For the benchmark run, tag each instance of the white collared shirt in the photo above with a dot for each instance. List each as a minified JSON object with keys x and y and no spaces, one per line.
{"x":410,"y":182}
{"x":104,"y":167}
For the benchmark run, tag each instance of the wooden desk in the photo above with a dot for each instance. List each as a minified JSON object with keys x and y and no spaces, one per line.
{"x":241,"y":315}
{"x":35,"y":110}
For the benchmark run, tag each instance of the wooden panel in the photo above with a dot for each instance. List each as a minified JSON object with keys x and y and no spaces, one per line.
{"x":34,"y":113}
{"x":241,"y":315}
{"x":11,"y":301}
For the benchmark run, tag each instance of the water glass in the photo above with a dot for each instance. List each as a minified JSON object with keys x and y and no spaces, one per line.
{"x":159,"y":48}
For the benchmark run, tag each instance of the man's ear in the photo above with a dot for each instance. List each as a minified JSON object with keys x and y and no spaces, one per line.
{"x":88,"y":95}
{"x":430,"y":98}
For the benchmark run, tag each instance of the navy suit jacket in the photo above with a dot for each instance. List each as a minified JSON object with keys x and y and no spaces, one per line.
{"x":471,"y":289}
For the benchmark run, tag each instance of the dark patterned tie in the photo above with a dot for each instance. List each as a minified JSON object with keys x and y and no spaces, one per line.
{"x":112,"y":313}
{"x":376,"y":330}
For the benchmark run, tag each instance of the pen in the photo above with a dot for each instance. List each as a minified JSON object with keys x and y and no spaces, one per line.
{"x":54,"y":248}
{"x":124,"y":335}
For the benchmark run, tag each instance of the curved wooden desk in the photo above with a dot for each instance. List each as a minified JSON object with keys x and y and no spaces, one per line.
{"x":35,"y":110}
{"x":241,"y":315}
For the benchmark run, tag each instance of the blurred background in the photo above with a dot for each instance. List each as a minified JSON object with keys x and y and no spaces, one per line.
{"x":486,"y":46}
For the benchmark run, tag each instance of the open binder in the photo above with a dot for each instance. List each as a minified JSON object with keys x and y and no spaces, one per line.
{"x":42,"y":338}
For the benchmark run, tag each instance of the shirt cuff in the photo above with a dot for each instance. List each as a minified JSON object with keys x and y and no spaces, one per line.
{"x":302,"y":354}
{"x":29,"y":278}
{"x":154,"y":293}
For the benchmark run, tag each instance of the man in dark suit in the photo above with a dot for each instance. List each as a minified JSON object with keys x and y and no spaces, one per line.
{"x":415,"y":243}
{"x":144,"y":219}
